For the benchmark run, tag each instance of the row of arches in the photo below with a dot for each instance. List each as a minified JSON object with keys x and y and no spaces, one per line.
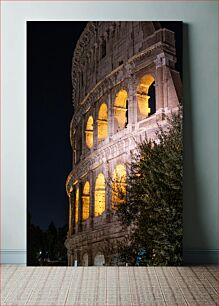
{"x":146,"y":106}
{"x":118,"y":187}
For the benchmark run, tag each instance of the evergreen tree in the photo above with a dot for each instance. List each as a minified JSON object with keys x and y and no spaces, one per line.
{"x":153,"y":210}
{"x":35,"y":242}
{"x":51,"y":240}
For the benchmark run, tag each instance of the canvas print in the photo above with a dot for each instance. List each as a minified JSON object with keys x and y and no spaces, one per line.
{"x":105,"y":151}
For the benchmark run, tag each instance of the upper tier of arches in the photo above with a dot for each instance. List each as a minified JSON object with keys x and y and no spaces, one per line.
{"x":105,"y":46}
{"x":111,"y":118}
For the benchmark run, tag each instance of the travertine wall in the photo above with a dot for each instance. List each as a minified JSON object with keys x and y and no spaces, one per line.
{"x":130,"y":67}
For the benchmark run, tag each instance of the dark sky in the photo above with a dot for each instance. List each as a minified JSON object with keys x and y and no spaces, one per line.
{"x":50,"y":48}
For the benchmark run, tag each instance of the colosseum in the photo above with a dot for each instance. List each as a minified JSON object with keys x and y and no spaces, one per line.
{"x":124,"y":84}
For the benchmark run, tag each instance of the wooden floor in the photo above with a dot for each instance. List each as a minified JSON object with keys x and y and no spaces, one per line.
{"x":21,"y":285}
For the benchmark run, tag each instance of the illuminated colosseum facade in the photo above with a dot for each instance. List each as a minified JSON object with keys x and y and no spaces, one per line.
{"x":124,"y":83}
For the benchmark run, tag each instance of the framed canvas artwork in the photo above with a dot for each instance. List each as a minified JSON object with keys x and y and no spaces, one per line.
{"x":105,"y":150}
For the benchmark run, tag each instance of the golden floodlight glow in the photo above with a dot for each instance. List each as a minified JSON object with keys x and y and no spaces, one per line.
{"x":86,"y":201}
{"x":102,"y":122}
{"x":100,"y":195}
{"x":142,"y":95}
{"x":76,"y":205}
{"x":89,"y":132}
{"x":120,"y":110}
{"x":118,"y":185}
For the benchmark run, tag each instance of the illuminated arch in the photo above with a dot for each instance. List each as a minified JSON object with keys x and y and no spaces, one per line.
{"x":76,"y":205}
{"x":100,"y":195}
{"x":120,"y":110}
{"x":89,"y":132}
{"x":145,"y":85}
{"x":86,"y":201}
{"x":118,"y":185}
{"x":102,"y":122}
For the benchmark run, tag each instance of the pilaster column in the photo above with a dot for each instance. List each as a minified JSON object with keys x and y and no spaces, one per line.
{"x":159,"y":83}
{"x":107,"y":185}
{"x":95,"y":130}
{"x":92,"y":192}
{"x":73,"y":198}
{"x":80,"y":186}
{"x":132,"y":102}
{"x":109,"y":194}
{"x":110,"y":114}
{"x":70,"y":215}
{"x":95,"y":61}
{"x":83,"y":135}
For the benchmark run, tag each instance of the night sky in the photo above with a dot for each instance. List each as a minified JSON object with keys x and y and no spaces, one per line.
{"x":50,"y":48}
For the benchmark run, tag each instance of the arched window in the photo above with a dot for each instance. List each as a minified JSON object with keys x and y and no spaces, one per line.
{"x":99,"y":259}
{"x":76,"y":205}
{"x":146,"y":97}
{"x":89,"y":132}
{"x":120,"y":109}
{"x":100,"y":195}
{"x":102,"y":122}
{"x":118,"y":186}
{"x":85,"y":260}
{"x":86,"y":201}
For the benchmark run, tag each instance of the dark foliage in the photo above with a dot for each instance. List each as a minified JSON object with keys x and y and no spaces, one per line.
{"x":153,"y":210}
{"x":46,"y":247}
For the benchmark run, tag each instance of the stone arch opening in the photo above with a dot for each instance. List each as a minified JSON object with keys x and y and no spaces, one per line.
{"x":89,"y":132}
{"x":120,"y":109}
{"x":118,"y":186}
{"x":152,"y":100}
{"x":86,"y":201}
{"x":76,"y":205}
{"x":100,"y":195}
{"x":102,"y":121}
{"x":85,"y":260}
{"x":99,"y":259}
{"x":146,"y":97}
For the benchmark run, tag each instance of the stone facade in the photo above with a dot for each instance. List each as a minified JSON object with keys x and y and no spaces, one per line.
{"x":124,"y":83}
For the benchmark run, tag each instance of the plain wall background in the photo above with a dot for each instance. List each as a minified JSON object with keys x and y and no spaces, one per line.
{"x":200,"y":84}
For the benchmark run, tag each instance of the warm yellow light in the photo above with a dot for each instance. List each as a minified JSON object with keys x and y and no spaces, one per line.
{"x":102,"y":122}
{"x":89,"y":132}
{"x":142,"y":95}
{"x":76,"y":205}
{"x":86,"y":201}
{"x":120,"y":110}
{"x":118,"y":185}
{"x":100,"y":195}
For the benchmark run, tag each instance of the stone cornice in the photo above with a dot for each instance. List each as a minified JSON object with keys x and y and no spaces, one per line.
{"x":113,"y":149}
{"x":96,"y":234}
{"x":154,"y":41}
